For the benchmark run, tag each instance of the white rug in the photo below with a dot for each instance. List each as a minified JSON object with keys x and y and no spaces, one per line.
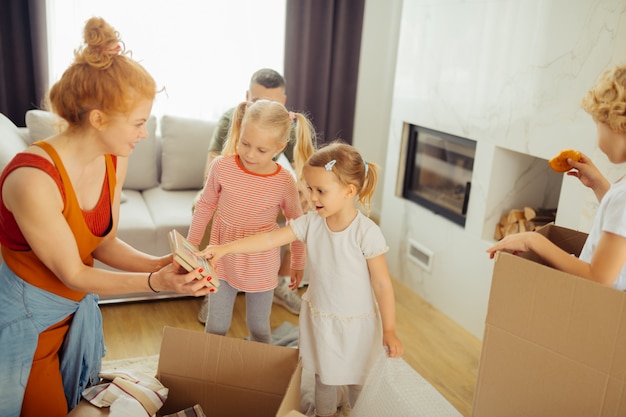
{"x":147,"y":364}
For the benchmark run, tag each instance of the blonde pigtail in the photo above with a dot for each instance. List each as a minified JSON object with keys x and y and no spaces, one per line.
{"x":369,"y":185}
{"x":230,"y":147}
{"x":305,"y":143}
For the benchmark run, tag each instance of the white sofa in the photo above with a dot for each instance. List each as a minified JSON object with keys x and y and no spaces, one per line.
{"x":164,"y":175}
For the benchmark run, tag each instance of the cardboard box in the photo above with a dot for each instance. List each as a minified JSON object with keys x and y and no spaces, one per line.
{"x":228,"y":377}
{"x":554,"y":343}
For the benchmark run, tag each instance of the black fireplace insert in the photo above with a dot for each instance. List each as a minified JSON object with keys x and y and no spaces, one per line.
{"x":438,"y":172}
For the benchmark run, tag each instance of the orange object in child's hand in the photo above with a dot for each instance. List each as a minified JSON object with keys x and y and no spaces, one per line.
{"x":559,"y":162}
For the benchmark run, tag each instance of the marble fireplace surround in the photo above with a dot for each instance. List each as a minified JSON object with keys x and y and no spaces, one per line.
{"x":510,"y":75}
{"x":517,"y":180}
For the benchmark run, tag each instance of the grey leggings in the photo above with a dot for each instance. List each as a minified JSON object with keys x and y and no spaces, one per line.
{"x":258,"y":309}
{"x":327,"y":397}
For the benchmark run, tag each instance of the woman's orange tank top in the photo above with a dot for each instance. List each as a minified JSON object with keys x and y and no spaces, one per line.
{"x":27,"y":265}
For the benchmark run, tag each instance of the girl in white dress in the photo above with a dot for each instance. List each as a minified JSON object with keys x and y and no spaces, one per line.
{"x":603,"y":257}
{"x":348,"y":311}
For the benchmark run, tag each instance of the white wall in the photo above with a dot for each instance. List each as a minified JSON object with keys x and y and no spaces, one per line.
{"x":379,"y":44}
{"x":507,"y":73}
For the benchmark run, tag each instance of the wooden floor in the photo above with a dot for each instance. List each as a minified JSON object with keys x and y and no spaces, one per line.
{"x":441,"y":351}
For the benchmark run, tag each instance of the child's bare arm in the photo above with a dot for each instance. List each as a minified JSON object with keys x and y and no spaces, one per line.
{"x":383,"y":291}
{"x":251,"y":244}
{"x":608,"y":259}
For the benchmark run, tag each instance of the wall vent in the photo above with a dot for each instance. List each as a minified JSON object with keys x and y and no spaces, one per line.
{"x":420,"y":255}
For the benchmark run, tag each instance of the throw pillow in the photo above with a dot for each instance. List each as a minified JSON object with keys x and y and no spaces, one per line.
{"x":12,"y":140}
{"x":42,"y":124}
{"x":185,"y":146}
{"x":143,"y":167}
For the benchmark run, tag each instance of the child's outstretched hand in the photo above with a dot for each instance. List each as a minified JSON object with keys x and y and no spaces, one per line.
{"x":514,"y":243}
{"x":212,"y":253}
{"x":393,"y":345}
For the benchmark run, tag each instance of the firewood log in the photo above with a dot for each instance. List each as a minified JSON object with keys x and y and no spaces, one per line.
{"x":540,"y":214}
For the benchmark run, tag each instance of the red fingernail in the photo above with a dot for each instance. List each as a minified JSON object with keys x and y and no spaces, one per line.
{"x":209,"y":278}
{"x":200,"y":270}
{"x":212,"y":290}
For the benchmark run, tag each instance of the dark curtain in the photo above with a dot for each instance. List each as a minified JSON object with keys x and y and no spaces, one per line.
{"x":322,"y":48}
{"x":23,"y":57}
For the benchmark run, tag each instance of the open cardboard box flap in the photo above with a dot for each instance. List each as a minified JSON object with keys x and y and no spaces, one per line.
{"x":228,"y":377}
{"x":571,"y":241}
{"x":554,"y":343}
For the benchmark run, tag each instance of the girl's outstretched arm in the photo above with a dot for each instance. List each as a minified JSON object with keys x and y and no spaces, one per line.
{"x":251,"y":244}
{"x":383,"y":291}
{"x":608,"y":259}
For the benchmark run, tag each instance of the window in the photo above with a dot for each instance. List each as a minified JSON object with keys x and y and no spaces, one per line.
{"x":202,"y":52}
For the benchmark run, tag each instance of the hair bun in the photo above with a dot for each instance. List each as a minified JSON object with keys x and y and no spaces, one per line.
{"x":102,"y":43}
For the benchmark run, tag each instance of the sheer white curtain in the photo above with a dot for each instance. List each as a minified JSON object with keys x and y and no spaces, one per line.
{"x":202,"y":52}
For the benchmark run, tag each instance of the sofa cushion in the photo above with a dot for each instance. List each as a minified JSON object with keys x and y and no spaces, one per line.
{"x":136,"y":226}
{"x":185,"y":145}
{"x":143,"y":162}
{"x":42,"y":124}
{"x":13,"y":141}
{"x":168,"y":210}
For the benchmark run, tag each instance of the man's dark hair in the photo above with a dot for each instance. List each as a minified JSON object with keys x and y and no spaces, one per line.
{"x":268,"y":78}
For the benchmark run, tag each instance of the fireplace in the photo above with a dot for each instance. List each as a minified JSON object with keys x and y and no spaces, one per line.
{"x":438,"y":172}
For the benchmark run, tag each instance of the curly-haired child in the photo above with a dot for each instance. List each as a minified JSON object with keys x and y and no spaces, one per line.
{"x":603,"y":256}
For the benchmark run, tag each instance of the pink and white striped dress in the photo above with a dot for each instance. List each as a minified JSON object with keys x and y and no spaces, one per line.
{"x":242,"y":204}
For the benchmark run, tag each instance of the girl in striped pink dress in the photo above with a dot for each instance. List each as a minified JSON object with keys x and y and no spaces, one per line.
{"x":243,"y":195}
